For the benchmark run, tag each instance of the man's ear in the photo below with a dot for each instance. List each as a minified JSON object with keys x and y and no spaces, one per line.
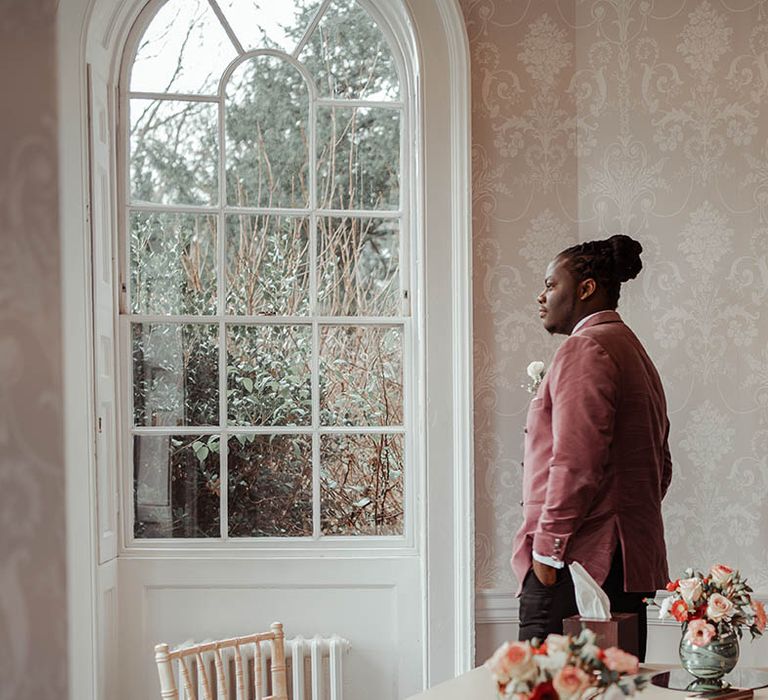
{"x":587,"y":288}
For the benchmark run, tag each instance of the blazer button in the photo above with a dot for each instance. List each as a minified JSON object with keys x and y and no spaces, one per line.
{"x":521,"y":504}
{"x":525,"y":430}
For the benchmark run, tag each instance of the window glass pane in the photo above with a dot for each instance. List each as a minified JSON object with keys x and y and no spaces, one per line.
{"x":270,"y":486}
{"x":359,"y":267}
{"x":276,"y":24}
{"x":267,"y":265}
{"x":361,"y":480}
{"x":358,"y":158}
{"x":185,"y":49}
{"x":267,"y":149}
{"x":349,"y":57}
{"x":175,"y":374}
{"x":268,"y":375}
{"x":361,"y":376}
{"x":174,"y":152}
{"x":173,"y":263}
{"x":176,"y":486}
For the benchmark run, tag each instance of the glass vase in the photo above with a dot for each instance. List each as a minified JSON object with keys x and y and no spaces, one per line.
{"x":710,"y":662}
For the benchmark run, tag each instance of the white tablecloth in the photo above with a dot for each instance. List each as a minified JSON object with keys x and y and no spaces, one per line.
{"x":478,"y":685}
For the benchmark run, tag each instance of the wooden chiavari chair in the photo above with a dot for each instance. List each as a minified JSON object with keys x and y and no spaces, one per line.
{"x":195,"y":676}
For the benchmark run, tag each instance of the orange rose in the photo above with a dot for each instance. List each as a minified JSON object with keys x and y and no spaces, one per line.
{"x":679,"y":610}
{"x":760,"y":617}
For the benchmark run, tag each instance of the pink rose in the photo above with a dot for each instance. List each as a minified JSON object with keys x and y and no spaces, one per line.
{"x":719,"y":608}
{"x":570,"y":682}
{"x":512,"y":660}
{"x":699,"y":633}
{"x":760,"y":617}
{"x":690,"y":589}
{"x":721,"y":573}
{"x":619,"y":661}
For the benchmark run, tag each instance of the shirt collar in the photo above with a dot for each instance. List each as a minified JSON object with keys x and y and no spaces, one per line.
{"x":583,"y":321}
{"x":607,"y":313}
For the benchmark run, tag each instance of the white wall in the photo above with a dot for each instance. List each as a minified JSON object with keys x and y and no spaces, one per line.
{"x":33,"y":586}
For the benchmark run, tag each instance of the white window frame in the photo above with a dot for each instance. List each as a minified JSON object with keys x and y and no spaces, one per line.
{"x":95,"y":32}
{"x":410,"y":320}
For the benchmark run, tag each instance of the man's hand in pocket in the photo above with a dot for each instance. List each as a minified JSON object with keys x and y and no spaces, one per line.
{"x":547,"y":575}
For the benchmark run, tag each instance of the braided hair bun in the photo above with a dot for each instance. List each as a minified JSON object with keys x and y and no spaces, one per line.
{"x":609,"y":262}
{"x":626,"y":256}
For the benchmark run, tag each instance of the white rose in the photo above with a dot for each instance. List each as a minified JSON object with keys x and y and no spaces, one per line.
{"x":719,"y":608}
{"x":666,"y":604}
{"x":535,"y":369}
{"x":552,"y":661}
{"x":557,"y":642}
{"x":690,"y":589}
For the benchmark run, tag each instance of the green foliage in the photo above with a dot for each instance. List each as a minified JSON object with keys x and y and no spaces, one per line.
{"x":174,"y":160}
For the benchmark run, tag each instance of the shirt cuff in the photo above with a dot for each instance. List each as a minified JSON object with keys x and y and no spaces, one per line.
{"x":549,"y":561}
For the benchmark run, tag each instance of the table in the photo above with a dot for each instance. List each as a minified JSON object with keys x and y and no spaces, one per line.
{"x":477,"y":684}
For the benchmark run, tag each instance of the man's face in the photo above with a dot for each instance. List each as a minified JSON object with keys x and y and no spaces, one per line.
{"x":558,"y":301}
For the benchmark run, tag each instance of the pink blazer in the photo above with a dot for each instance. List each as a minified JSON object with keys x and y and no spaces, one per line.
{"x":597,"y":462}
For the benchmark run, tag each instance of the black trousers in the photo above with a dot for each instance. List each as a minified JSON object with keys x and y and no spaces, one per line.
{"x":543,"y":608}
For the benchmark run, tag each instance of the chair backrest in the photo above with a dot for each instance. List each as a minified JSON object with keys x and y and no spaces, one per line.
{"x":165,"y":659}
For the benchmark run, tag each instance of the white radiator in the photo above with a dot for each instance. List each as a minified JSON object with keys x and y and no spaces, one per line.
{"x":314,"y":668}
{"x":325,"y":677}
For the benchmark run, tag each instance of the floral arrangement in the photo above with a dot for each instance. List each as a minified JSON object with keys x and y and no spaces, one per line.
{"x":536,"y":372}
{"x":712,"y":606}
{"x":563,"y":668}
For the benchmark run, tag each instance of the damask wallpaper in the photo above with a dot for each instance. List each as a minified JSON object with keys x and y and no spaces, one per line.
{"x":648,"y":118}
{"x":33,"y":602}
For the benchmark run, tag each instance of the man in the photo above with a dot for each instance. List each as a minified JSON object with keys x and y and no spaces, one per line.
{"x":597,"y":462}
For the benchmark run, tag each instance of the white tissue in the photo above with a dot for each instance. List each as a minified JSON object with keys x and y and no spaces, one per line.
{"x":591,"y":600}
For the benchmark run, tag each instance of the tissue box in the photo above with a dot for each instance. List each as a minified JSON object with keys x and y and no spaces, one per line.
{"x":620,"y":631}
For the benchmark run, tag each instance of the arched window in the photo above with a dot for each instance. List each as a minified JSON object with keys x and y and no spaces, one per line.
{"x":265,"y":313}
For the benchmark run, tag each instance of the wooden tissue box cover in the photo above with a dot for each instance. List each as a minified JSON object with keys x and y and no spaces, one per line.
{"x":620,"y":631}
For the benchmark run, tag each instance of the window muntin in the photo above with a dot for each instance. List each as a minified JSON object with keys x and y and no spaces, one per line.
{"x":266,"y":286}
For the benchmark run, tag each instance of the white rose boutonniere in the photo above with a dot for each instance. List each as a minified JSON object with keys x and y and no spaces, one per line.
{"x":536,"y":373}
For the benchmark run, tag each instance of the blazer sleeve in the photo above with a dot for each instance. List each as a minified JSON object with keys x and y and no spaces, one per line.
{"x":584,"y":385}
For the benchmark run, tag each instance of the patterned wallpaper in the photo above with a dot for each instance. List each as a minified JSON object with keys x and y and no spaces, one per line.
{"x":649,"y":118}
{"x":33,"y":604}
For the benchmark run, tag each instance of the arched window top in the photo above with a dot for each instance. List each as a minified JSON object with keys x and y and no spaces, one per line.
{"x":187,"y":46}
